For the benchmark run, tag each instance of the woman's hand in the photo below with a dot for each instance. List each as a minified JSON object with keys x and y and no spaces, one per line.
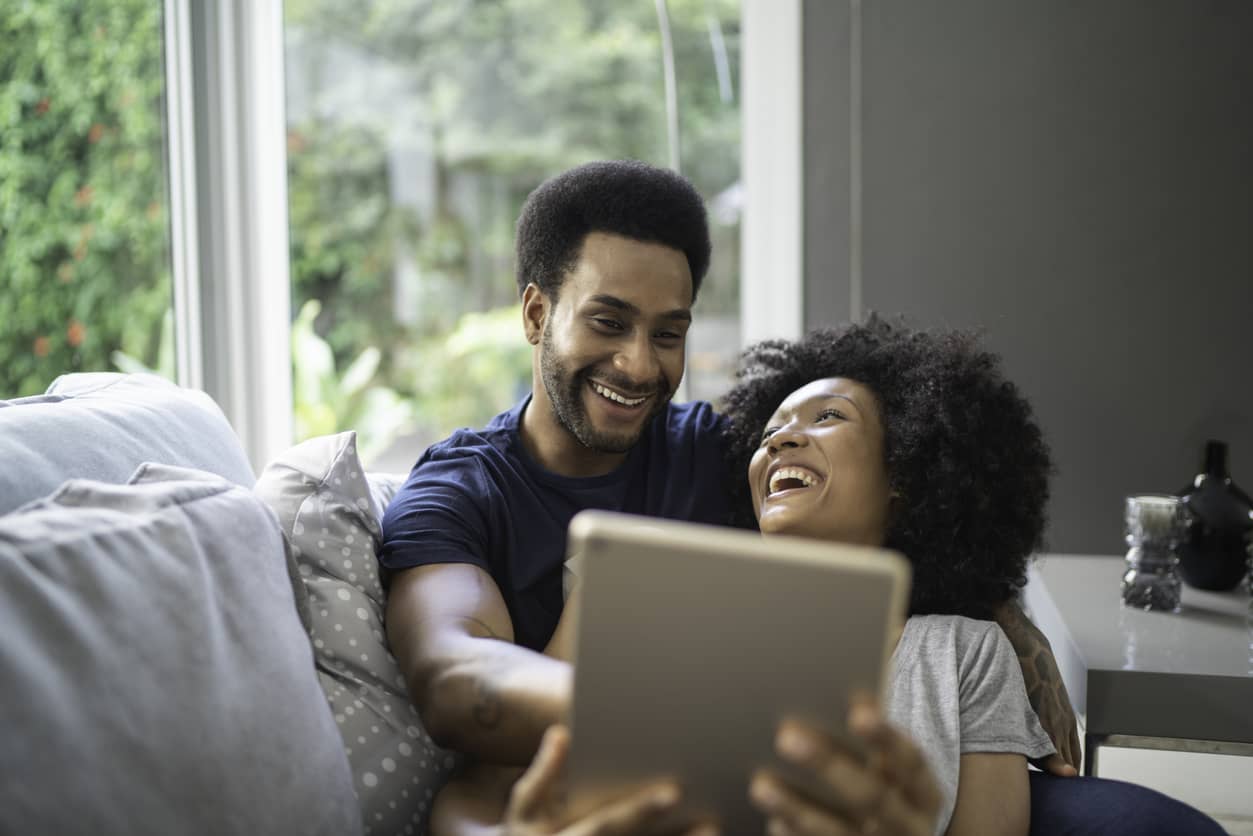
{"x":537,"y":807}
{"x":891,"y":791}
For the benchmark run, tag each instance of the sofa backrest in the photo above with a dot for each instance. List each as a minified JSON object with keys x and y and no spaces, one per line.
{"x":102,"y":426}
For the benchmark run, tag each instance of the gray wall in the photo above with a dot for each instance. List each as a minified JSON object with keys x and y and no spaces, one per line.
{"x":1076,"y":180}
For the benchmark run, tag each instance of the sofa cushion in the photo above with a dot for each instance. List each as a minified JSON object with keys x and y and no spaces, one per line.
{"x":155,"y":676}
{"x":102,"y":426}
{"x":330,"y":511}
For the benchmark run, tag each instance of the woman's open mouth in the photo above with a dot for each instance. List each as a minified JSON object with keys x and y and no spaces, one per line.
{"x":791,"y":478}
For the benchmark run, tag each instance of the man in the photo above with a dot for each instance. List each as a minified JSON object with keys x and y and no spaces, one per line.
{"x":610,"y":259}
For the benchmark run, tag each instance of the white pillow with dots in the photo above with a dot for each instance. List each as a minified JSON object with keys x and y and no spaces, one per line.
{"x":330,"y":512}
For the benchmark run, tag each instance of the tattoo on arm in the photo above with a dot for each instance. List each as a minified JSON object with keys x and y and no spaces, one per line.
{"x":484,"y":629}
{"x":487,"y":706}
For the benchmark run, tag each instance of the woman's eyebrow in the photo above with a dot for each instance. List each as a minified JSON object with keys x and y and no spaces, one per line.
{"x":827,"y":396}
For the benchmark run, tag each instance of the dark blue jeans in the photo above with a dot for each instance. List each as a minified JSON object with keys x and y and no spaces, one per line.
{"x":1082,"y":806}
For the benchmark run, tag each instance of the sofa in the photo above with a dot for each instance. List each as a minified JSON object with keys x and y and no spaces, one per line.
{"x":187,"y":646}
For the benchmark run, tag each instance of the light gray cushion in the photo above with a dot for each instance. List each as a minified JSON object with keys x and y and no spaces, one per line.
{"x":102,"y":426}
{"x":154,"y":677}
{"x":330,"y":511}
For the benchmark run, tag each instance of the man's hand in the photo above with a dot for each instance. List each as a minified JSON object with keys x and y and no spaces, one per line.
{"x":1045,"y":688}
{"x":537,"y":808}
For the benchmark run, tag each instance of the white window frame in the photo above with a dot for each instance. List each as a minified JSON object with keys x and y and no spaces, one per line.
{"x":772,"y":231}
{"x":228,"y":208}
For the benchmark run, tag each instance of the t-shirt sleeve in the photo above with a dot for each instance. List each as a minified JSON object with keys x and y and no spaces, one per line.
{"x":995,"y":713}
{"x":439,"y":516}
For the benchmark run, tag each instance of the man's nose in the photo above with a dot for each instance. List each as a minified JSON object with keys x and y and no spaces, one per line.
{"x":638,"y":361}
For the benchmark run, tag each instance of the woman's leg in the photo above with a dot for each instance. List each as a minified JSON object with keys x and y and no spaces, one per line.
{"x":1080,"y":806}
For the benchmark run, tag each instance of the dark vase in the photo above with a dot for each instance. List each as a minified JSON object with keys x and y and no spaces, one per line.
{"x":1213,"y":553}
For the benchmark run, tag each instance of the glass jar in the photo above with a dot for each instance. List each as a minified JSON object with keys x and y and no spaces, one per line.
{"x":1155,"y":525}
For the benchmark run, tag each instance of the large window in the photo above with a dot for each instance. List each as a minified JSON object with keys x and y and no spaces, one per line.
{"x":416,"y":128}
{"x":84,"y":256}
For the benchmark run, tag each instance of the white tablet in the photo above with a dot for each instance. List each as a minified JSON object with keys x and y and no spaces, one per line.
{"x":692,"y":642}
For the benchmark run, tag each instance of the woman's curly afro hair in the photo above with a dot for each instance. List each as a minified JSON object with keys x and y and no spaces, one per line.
{"x":961,"y":449}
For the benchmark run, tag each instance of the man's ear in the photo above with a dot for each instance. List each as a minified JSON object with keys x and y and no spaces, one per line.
{"x":535,"y":310}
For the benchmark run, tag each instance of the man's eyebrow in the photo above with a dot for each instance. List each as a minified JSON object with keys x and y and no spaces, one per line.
{"x":614,"y":302}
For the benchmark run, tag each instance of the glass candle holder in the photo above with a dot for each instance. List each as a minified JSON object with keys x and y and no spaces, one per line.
{"x":1155,"y":526}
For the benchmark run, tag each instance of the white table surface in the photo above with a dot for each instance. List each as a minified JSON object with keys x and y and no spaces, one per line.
{"x":1185,"y":675}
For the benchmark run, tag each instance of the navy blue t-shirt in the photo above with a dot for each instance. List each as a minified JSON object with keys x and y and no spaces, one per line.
{"x":478,"y":497}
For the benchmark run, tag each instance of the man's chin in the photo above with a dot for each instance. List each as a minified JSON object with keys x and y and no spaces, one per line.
{"x":616,"y":443}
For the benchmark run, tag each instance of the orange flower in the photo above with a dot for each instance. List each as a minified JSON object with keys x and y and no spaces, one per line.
{"x":43,"y":106}
{"x":75,"y":333}
{"x":41,"y":346}
{"x":83,"y":196}
{"x":97,"y":131}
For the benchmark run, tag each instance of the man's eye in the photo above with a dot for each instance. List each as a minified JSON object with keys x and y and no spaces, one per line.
{"x":669,"y":336}
{"x":828,"y":414}
{"x":604,"y":322}
{"x":769,"y":431}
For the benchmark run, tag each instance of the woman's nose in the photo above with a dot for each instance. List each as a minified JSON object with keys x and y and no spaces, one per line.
{"x":786,"y":437}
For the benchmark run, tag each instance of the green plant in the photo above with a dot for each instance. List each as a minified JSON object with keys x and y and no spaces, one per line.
{"x":326,"y":401}
{"x":84,"y":270}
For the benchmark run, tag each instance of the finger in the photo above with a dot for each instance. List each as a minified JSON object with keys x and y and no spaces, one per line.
{"x":628,"y":815}
{"x":898,"y":815}
{"x":898,"y":756}
{"x":850,"y":782}
{"x":1057,"y":765}
{"x":1076,"y":756}
{"x":530,"y":791}
{"x":788,"y":813}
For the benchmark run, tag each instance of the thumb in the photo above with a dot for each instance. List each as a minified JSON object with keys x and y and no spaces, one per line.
{"x":1055,"y":764}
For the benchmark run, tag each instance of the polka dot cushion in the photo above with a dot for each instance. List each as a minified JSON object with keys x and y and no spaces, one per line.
{"x":330,"y":511}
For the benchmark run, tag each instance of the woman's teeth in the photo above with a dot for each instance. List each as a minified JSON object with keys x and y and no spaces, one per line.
{"x":795,"y":474}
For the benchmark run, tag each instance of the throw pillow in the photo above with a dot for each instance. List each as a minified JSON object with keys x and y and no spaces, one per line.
{"x":102,"y":426}
{"x":155,"y":676}
{"x":330,"y":511}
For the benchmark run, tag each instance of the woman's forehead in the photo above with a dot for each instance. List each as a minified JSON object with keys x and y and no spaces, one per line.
{"x":827,"y":388}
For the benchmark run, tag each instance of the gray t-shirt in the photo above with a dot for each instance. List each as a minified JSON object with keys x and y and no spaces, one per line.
{"x":957,"y":687}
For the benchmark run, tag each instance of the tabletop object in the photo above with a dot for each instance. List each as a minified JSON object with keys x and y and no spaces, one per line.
{"x":1154,"y":680}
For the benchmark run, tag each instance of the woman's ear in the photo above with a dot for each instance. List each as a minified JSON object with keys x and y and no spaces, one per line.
{"x":535,"y":309}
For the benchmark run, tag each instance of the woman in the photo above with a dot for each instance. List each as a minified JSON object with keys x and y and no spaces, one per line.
{"x":881,"y":436}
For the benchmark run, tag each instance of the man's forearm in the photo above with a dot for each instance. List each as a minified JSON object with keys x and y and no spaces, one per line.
{"x":492,"y":699}
{"x":1045,"y":689}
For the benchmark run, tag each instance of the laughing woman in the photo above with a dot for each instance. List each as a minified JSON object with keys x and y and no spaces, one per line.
{"x":884,"y":436}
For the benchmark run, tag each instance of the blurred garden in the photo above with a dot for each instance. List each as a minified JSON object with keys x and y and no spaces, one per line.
{"x":416,"y":128}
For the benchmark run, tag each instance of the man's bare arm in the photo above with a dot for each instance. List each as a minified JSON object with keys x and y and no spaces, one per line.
{"x":1045,"y":688}
{"x":476,"y":690}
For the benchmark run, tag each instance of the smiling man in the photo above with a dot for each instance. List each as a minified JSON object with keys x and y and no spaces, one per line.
{"x":610,"y":257}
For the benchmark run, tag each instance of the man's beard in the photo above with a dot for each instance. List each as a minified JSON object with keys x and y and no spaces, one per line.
{"x":565,"y":392}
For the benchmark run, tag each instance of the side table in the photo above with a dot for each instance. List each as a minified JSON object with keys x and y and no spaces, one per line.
{"x":1151,"y":680}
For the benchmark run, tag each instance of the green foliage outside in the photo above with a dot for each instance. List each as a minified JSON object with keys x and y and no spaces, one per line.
{"x":491,"y":98}
{"x":84,"y":270}
{"x":406,"y":315}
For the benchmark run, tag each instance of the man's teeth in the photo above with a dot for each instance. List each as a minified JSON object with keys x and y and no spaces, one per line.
{"x":614,"y":396}
{"x":803,"y":476}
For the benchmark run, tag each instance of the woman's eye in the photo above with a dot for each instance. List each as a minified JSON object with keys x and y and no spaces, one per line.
{"x":769,"y":431}
{"x":828,"y":414}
